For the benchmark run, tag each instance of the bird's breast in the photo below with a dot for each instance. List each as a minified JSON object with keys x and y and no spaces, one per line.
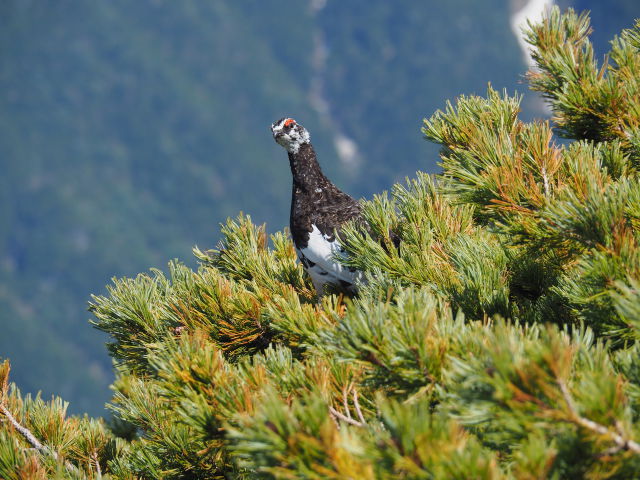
{"x":319,"y":259}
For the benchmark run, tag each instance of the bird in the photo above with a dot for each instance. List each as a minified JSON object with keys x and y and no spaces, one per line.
{"x":319,"y":211}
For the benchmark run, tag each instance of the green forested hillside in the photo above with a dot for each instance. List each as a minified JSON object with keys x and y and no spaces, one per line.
{"x":129,"y":130}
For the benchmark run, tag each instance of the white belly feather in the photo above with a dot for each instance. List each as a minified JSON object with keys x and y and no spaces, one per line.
{"x":321,"y":264}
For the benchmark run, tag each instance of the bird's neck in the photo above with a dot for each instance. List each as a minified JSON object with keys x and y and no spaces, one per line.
{"x":305,"y":168}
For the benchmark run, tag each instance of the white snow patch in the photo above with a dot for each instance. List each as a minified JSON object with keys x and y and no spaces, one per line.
{"x":533,"y":11}
{"x":317,"y":5}
{"x":347,"y":150}
{"x":319,"y":63}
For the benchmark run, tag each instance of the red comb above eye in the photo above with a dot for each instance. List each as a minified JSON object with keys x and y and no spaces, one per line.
{"x":289,"y":121}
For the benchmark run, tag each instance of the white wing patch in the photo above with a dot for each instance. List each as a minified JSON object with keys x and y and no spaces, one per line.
{"x":319,"y":260}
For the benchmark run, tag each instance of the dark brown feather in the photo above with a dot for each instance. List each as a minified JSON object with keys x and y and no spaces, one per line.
{"x":315,"y":200}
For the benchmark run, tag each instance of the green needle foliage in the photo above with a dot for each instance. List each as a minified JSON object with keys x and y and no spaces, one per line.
{"x":498,"y":341}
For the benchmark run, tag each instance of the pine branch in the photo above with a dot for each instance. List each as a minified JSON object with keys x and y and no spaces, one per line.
{"x":344,"y":418}
{"x":37,"y":445}
{"x":361,"y":422}
{"x":94,"y":457}
{"x":233,"y":369}
{"x":26,"y":433}
{"x":357,"y":405}
{"x":620,"y":441}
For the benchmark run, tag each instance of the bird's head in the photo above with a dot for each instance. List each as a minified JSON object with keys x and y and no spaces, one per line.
{"x":290,"y":134}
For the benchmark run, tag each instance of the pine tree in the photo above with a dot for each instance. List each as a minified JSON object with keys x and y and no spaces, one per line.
{"x":500,"y":340}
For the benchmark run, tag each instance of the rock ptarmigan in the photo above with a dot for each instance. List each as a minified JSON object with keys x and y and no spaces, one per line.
{"x":318,"y":210}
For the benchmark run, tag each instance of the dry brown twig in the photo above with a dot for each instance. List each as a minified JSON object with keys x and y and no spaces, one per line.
{"x":26,"y":433}
{"x":94,"y":457}
{"x":35,"y":443}
{"x":617,"y":438}
{"x":345,"y":399}
{"x":357,"y":406}
{"x":344,"y":418}
{"x":335,"y":414}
